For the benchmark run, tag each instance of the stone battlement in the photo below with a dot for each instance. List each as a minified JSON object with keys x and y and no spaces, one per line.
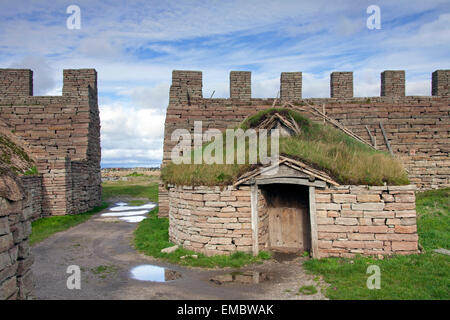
{"x":417,"y":127}
{"x":188,"y":85}
{"x":62,"y":134}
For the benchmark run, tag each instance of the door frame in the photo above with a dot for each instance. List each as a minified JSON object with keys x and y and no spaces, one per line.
{"x":254,"y":190}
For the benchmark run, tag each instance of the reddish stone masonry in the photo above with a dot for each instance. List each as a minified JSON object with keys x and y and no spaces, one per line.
{"x":349,"y":220}
{"x":366,"y":220}
{"x":213,"y":220}
{"x":417,"y":127}
{"x":62,"y":135}
{"x":16,"y":211}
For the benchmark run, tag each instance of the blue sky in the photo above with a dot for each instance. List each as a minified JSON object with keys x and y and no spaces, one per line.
{"x":135,"y":45}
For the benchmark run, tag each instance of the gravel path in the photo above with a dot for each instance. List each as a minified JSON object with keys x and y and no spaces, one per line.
{"x":105,"y":242}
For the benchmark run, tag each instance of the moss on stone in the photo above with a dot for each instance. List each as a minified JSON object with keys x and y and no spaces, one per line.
{"x":15,"y":157}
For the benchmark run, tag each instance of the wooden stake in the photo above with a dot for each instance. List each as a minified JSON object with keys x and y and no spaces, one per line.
{"x":386,"y":139}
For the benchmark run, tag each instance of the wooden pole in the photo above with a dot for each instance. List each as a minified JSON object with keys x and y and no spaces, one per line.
{"x":386,"y":139}
{"x":372,"y":138}
{"x":312,"y":218}
{"x":254,"y":208}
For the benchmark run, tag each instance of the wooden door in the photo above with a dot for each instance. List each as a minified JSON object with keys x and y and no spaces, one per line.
{"x":289,"y":229}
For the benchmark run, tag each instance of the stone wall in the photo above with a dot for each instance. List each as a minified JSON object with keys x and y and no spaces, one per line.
{"x":366,"y":220}
{"x":16,"y":211}
{"x":33,"y":187}
{"x":291,"y":86}
{"x":350,"y":220}
{"x":440,"y":83}
{"x":211,"y":220}
{"x":393,"y":83}
{"x":341,"y":85}
{"x":418,"y":128}
{"x":240,"y":85}
{"x":16,"y":82}
{"x":63,"y":134}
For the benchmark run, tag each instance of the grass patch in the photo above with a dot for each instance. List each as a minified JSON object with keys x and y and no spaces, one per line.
{"x":135,"y":203}
{"x":47,"y":226}
{"x":14,"y":157}
{"x":152,"y":235}
{"x":433,"y":213}
{"x":31,"y":172}
{"x":324,"y":147}
{"x":135,"y":174}
{"x":138,"y":187}
{"x":104,"y":270}
{"x":424,"y":276}
{"x":307,"y":290}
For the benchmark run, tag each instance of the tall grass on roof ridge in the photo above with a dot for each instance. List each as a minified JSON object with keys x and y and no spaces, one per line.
{"x":322,"y":146}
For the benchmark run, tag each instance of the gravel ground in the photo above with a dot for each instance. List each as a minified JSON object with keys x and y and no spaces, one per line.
{"x":107,"y":243}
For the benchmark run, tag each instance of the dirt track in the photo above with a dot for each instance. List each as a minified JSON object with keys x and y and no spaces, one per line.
{"x":107,"y":242}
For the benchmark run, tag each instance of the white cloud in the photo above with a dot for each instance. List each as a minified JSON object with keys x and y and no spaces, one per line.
{"x":102,"y":48}
{"x":130,"y":133}
{"x":43,"y":73}
{"x":135,"y":45}
{"x":155,"y":98}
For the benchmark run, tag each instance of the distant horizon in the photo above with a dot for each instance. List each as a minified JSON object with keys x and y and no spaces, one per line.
{"x":128,"y":166}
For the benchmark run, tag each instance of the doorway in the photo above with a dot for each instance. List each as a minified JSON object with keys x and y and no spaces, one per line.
{"x":289,"y":219}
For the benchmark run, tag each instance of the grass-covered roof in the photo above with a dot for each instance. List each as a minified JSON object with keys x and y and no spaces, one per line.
{"x":15,"y":158}
{"x":321,"y":146}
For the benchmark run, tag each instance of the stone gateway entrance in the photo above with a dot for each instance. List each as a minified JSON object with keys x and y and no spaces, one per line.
{"x":289,"y":222}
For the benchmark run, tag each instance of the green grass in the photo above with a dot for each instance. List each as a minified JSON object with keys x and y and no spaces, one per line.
{"x":47,"y":226}
{"x":138,"y":188}
{"x":152,"y":235}
{"x":308,"y":290}
{"x":135,"y":174}
{"x":136,"y":202}
{"x":31,"y":172}
{"x":14,"y":157}
{"x":324,"y":147}
{"x":104,"y":270}
{"x":433,"y":212}
{"x":423,"y":276}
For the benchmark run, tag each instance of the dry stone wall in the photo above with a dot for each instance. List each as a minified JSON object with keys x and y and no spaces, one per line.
{"x":63,"y":134}
{"x":441,"y":83}
{"x":291,"y":86}
{"x":341,"y":85}
{"x":33,"y":187}
{"x":366,"y":220}
{"x":418,"y":128}
{"x":240,"y":85}
{"x":350,"y":220}
{"x":393,"y":83}
{"x":211,"y":220}
{"x":16,"y":211}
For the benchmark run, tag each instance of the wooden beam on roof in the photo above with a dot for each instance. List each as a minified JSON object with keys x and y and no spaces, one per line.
{"x":386,"y":139}
{"x":285,"y":180}
{"x":255,"y":173}
{"x":298,"y":165}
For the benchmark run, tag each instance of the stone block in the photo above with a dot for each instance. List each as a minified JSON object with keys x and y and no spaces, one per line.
{"x":368,"y":206}
{"x":404,"y":245}
{"x":405,"y":229}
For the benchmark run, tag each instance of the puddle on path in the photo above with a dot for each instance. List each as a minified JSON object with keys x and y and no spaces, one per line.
{"x":124,"y":213}
{"x":147,"y":206}
{"x":132,"y":214}
{"x":247,"y":277}
{"x":148,"y":272}
{"x":120,"y":204}
{"x":133,"y":219}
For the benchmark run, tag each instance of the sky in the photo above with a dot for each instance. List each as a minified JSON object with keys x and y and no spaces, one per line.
{"x":135,"y":45}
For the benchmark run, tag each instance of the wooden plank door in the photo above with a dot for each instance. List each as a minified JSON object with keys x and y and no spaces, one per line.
{"x":288,"y":229}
